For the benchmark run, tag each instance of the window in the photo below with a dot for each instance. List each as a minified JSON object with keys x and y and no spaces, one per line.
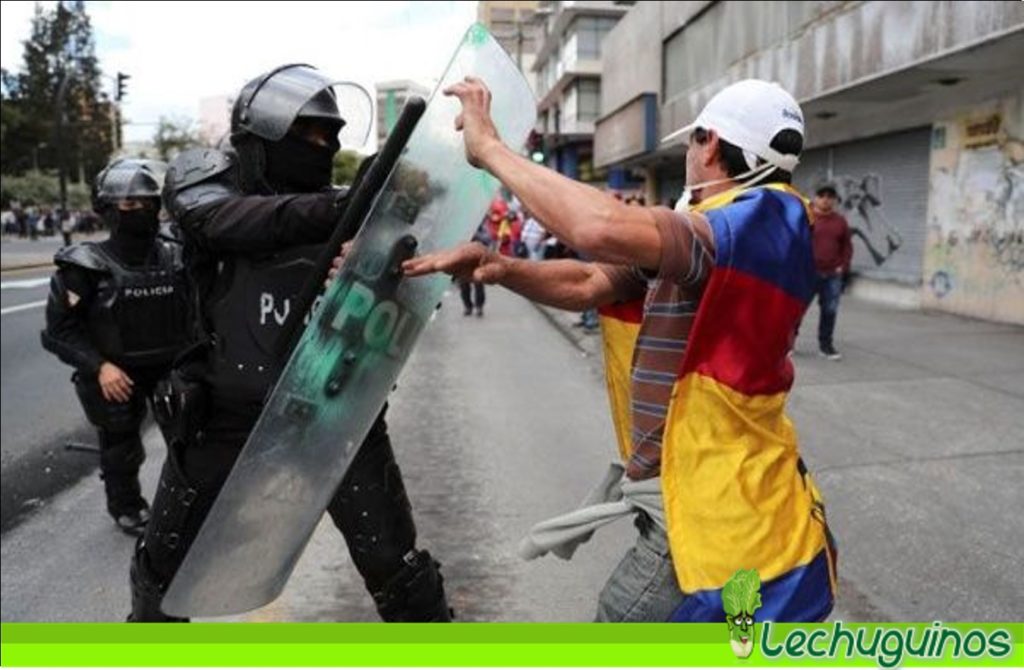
{"x":590,"y":33}
{"x":502,"y":14}
{"x":588,"y":99}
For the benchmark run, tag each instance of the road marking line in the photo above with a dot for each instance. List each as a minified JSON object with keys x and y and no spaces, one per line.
{"x":19,"y":308}
{"x":25,"y":283}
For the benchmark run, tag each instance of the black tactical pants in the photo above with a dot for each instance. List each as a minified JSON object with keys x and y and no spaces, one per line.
{"x":370,"y":508}
{"x":118,"y":426}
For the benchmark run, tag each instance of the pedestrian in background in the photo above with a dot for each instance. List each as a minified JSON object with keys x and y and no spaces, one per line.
{"x":68,"y":221}
{"x":833,"y":251}
{"x":472,"y":292}
{"x":533,"y":237}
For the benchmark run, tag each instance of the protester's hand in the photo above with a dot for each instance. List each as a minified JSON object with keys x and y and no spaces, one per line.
{"x":337,"y":262}
{"x":115,"y":385}
{"x":478,"y":131}
{"x":466,"y":262}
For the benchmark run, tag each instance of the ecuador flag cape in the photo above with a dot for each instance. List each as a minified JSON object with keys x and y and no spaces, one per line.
{"x":737,"y":496}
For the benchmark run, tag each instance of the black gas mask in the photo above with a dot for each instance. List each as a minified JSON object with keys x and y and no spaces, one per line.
{"x":296,"y":164}
{"x":142,"y":224}
{"x":133,"y":231}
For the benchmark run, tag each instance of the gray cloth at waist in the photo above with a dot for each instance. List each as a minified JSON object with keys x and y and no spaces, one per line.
{"x":615,"y":497}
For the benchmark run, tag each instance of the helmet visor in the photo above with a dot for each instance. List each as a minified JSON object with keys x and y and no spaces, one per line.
{"x":293,"y":91}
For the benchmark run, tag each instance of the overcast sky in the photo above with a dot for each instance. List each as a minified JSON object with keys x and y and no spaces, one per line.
{"x":179,"y":52}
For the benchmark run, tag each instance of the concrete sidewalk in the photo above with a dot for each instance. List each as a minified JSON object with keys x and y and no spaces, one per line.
{"x":917,"y":440}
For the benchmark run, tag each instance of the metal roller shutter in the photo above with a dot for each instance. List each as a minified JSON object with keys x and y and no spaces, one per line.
{"x":883,"y":186}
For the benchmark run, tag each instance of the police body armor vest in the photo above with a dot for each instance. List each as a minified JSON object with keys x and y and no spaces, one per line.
{"x":139,"y":316}
{"x":250,"y":299}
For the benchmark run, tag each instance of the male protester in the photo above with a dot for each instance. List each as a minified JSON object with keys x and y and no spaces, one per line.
{"x":118,"y":312}
{"x":723,"y":287}
{"x":254,"y":222}
{"x":833,"y":250}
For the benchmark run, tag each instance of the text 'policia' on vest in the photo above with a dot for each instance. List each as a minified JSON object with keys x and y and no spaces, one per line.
{"x":119,"y":313}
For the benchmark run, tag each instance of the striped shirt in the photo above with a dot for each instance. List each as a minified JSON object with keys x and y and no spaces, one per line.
{"x":670,"y":297}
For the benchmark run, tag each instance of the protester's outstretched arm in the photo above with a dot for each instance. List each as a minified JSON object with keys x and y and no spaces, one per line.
{"x":566,"y":284}
{"x":583,"y":217}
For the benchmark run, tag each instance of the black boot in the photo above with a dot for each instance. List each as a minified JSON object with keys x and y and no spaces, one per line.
{"x":147,"y":592}
{"x":416,"y":593}
{"x":125,"y":503}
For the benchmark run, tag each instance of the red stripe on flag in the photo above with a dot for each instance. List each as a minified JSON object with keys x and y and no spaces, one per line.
{"x":743,"y":333}
{"x":631,"y":311}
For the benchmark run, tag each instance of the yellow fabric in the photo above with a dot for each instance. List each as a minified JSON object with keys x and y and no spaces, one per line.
{"x":734,"y":497}
{"x":726,"y":197}
{"x":619,"y":341}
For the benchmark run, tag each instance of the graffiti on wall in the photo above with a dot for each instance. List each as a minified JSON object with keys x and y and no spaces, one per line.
{"x":861,"y":203}
{"x":974,"y":262}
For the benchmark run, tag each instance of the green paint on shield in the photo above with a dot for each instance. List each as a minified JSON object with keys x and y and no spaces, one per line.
{"x":476,"y":35}
{"x":390,"y":111}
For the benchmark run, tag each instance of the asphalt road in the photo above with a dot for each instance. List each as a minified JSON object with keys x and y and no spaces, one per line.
{"x":38,"y":407}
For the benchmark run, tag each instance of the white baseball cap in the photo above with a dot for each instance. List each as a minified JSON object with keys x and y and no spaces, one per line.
{"x":749,"y":114}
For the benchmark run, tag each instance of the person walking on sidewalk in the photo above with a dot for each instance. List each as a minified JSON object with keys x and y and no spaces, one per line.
{"x":833,"y":251}
{"x":708,"y":300}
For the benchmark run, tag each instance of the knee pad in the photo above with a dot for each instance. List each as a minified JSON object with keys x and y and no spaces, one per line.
{"x":120,"y":452}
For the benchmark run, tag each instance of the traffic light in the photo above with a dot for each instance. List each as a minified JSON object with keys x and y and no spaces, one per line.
{"x":122,"y":78}
{"x":535,"y":147}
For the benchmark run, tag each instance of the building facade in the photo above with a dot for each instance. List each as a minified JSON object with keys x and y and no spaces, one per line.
{"x":391,"y":97}
{"x":568,"y":71}
{"x":914,"y":110}
{"x":515,"y":24}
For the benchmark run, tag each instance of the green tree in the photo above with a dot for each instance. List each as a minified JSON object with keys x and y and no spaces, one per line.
{"x":346,"y":163}
{"x":37,"y":188}
{"x":60,"y":47}
{"x":173,"y":135}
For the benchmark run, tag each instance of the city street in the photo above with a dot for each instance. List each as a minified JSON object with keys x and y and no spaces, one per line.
{"x":500,"y":422}
{"x":40,"y":411}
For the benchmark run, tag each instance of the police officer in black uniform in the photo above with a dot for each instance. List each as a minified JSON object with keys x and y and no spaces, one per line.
{"x":254,"y":220}
{"x":118,"y":313}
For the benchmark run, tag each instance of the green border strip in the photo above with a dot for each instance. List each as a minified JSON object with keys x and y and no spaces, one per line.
{"x":423,"y":645}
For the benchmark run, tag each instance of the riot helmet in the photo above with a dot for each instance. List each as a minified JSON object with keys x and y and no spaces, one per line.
{"x":287,"y":124}
{"x":126,"y":194}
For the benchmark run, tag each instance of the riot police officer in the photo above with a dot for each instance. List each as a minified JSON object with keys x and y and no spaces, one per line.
{"x":254,"y":220}
{"x":118,"y":313}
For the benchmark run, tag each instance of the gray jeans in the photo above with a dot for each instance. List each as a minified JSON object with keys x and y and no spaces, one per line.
{"x":643,"y":586}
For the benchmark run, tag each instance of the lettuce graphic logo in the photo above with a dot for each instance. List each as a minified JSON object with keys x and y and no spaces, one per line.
{"x":741,"y":597}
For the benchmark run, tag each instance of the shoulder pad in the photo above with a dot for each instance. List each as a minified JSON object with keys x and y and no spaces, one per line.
{"x":85,"y":255}
{"x":198,"y":177}
{"x":194,"y":166}
{"x":170,"y":232}
{"x":170,"y":254}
